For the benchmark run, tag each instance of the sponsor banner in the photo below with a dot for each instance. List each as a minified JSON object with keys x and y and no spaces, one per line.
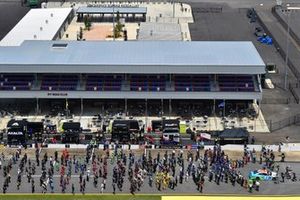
{"x":134,"y":146}
{"x":15,"y":133}
{"x":56,"y":146}
{"x":205,"y":136}
{"x":78,"y":146}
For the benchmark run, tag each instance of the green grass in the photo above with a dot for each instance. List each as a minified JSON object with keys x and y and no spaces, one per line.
{"x":77,"y":197}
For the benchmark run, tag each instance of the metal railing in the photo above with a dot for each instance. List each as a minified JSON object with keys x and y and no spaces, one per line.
{"x":294,"y":93}
{"x":277,"y":125}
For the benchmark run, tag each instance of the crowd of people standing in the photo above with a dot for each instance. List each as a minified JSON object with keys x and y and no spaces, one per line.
{"x":160,"y":169}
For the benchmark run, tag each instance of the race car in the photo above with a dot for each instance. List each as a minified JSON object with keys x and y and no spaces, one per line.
{"x":262,"y":175}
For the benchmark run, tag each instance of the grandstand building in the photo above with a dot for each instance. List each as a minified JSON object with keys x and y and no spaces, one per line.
{"x":36,"y":67}
{"x":145,"y":70}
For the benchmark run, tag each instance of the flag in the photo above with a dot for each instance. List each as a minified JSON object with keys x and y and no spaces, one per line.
{"x":67,"y":104}
{"x":222,"y":104}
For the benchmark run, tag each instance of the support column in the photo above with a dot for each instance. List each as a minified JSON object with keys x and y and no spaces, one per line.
{"x":35,"y":80}
{"x":224,"y":108}
{"x":170,"y":82}
{"x":102,"y":107}
{"x":170,"y":107}
{"x":214,"y":108}
{"x":81,"y":107}
{"x":215,"y":85}
{"x":126,"y":107}
{"x":162,"y":107}
{"x":80,"y":80}
{"x":37,"y":106}
{"x":146,"y":107}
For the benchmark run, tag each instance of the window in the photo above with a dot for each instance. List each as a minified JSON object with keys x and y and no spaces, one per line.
{"x":59,"y":45}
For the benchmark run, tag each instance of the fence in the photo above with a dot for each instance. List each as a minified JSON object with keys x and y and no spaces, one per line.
{"x":277,"y":125}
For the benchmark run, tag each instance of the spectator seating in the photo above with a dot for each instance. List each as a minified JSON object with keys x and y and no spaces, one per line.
{"x":16,"y":81}
{"x":104,"y":82}
{"x":59,"y":82}
{"x":153,"y":83}
{"x":236,"y":83}
{"x":137,"y":82}
{"x":188,"y":83}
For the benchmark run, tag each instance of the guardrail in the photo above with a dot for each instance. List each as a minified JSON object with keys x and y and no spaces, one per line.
{"x":285,"y":147}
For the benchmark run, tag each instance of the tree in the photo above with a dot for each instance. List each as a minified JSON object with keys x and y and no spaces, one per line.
{"x":80,"y":33}
{"x":118,"y":27}
{"x":87,"y":22}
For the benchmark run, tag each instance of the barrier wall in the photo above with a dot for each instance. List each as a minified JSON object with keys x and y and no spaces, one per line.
{"x":286,"y":147}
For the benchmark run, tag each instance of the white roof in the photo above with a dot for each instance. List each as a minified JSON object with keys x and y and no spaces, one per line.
{"x":202,"y":57}
{"x":159,"y":31}
{"x":37,"y":24}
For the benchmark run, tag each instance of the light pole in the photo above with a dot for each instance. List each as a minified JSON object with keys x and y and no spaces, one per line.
{"x":287,"y":49}
{"x":114,"y":20}
{"x":173,"y":8}
{"x":288,"y":11}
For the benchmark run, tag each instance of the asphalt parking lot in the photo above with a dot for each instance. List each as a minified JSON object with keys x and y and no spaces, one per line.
{"x":11,"y":12}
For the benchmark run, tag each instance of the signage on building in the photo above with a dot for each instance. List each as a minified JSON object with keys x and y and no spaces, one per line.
{"x":57,"y":94}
